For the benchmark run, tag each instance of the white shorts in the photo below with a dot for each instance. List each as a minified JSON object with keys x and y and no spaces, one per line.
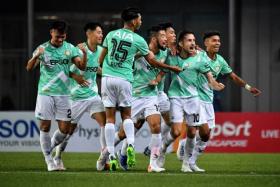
{"x":116,"y":91}
{"x":92,"y":105}
{"x":163,"y":102}
{"x":186,"y":107}
{"x":142,"y":107}
{"x":207,"y":111}
{"x":53,"y":107}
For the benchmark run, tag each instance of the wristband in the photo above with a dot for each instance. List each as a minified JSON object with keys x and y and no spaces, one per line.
{"x":248,"y":87}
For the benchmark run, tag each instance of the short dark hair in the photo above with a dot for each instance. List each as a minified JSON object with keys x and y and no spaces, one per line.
{"x":92,"y":26}
{"x":183,"y":33}
{"x":130,"y":13}
{"x":209,"y":34}
{"x":166,"y":25}
{"x":60,"y":26}
{"x":154,"y":30}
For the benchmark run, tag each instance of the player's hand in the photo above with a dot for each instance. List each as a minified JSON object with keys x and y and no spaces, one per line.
{"x":218,"y":87}
{"x":81,"y":81}
{"x":176,"y":69}
{"x":153,"y":83}
{"x":82,"y":47}
{"x":255,"y":91}
{"x":40,"y":51}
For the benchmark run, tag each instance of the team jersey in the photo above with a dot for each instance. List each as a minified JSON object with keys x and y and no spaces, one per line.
{"x":81,"y":93}
{"x":122,"y":45}
{"x":143,"y":73}
{"x":161,"y":56}
{"x":217,"y":66}
{"x":184,"y":84}
{"x":55,"y":64}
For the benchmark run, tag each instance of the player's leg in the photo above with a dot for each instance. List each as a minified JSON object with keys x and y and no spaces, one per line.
{"x":110,"y":98}
{"x":177,"y":114}
{"x":192,"y":110}
{"x":97,"y":112}
{"x":154,"y":123}
{"x":202,"y":138}
{"x":45,"y":113}
{"x":164,"y":108}
{"x":63,"y":117}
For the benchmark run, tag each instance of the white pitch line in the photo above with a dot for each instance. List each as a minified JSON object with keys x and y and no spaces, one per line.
{"x":133,"y":173}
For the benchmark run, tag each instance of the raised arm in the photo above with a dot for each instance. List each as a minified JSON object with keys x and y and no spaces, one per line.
{"x":81,"y":63}
{"x":240,"y":82}
{"x":34,"y":61}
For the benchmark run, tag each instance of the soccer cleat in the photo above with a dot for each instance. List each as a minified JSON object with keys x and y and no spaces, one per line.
{"x":52,"y":166}
{"x":186,"y":167}
{"x":122,"y":160}
{"x":195,"y":168}
{"x":155,"y":168}
{"x":181,"y":149}
{"x":147,"y":151}
{"x":59,"y":164}
{"x":101,"y":163}
{"x":161,"y":159}
{"x":130,"y":156}
{"x":113,"y":163}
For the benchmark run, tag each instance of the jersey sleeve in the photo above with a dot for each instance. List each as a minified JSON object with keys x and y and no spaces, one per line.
{"x":74,"y":51}
{"x":226,"y":69}
{"x":204,"y":66}
{"x":36,"y":51}
{"x":142,"y":46}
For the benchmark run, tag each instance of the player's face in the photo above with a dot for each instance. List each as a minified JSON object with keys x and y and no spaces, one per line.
{"x":213,"y":44}
{"x":161,"y":40}
{"x":171,"y":35}
{"x":57,"y":38}
{"x":95,"y":36}
{"x":137,"y":22}
{"x":188,"y":44}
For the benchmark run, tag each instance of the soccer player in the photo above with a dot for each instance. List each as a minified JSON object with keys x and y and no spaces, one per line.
{"x":55,"y":57}
{"x":84,"y":92}
{"x":121,"y":46}
{"x":218,"y":66}
{"x":145,"y":101}
{"x":183,"y":92}
{"x":164,"y":104}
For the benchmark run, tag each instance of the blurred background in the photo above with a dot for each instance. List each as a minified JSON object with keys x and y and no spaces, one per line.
{"x":250,"y":41}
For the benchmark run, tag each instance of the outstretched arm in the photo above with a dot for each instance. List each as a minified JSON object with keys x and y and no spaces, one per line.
{"x":152,"y":61}
{"x":34,"y":61}
{"x":213,"y":83}
{"x":240,"y":82}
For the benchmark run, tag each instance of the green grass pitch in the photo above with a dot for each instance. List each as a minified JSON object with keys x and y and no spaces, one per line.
{"x":28,"y":169}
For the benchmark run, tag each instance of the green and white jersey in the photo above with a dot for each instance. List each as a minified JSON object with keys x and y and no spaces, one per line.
{"x":55,"y":64}
{"x":143,"y":73}
{"x":217,"y":66}
{"x":122,"y":45}
{"x":184,"y":84}
{"x":161,"y":56}
{"x":82,"y":93}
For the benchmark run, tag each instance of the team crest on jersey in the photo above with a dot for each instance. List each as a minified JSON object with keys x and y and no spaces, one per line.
{"x":187,"y":65}
{"x":67,"y":53}
{"x":217,"y":68}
